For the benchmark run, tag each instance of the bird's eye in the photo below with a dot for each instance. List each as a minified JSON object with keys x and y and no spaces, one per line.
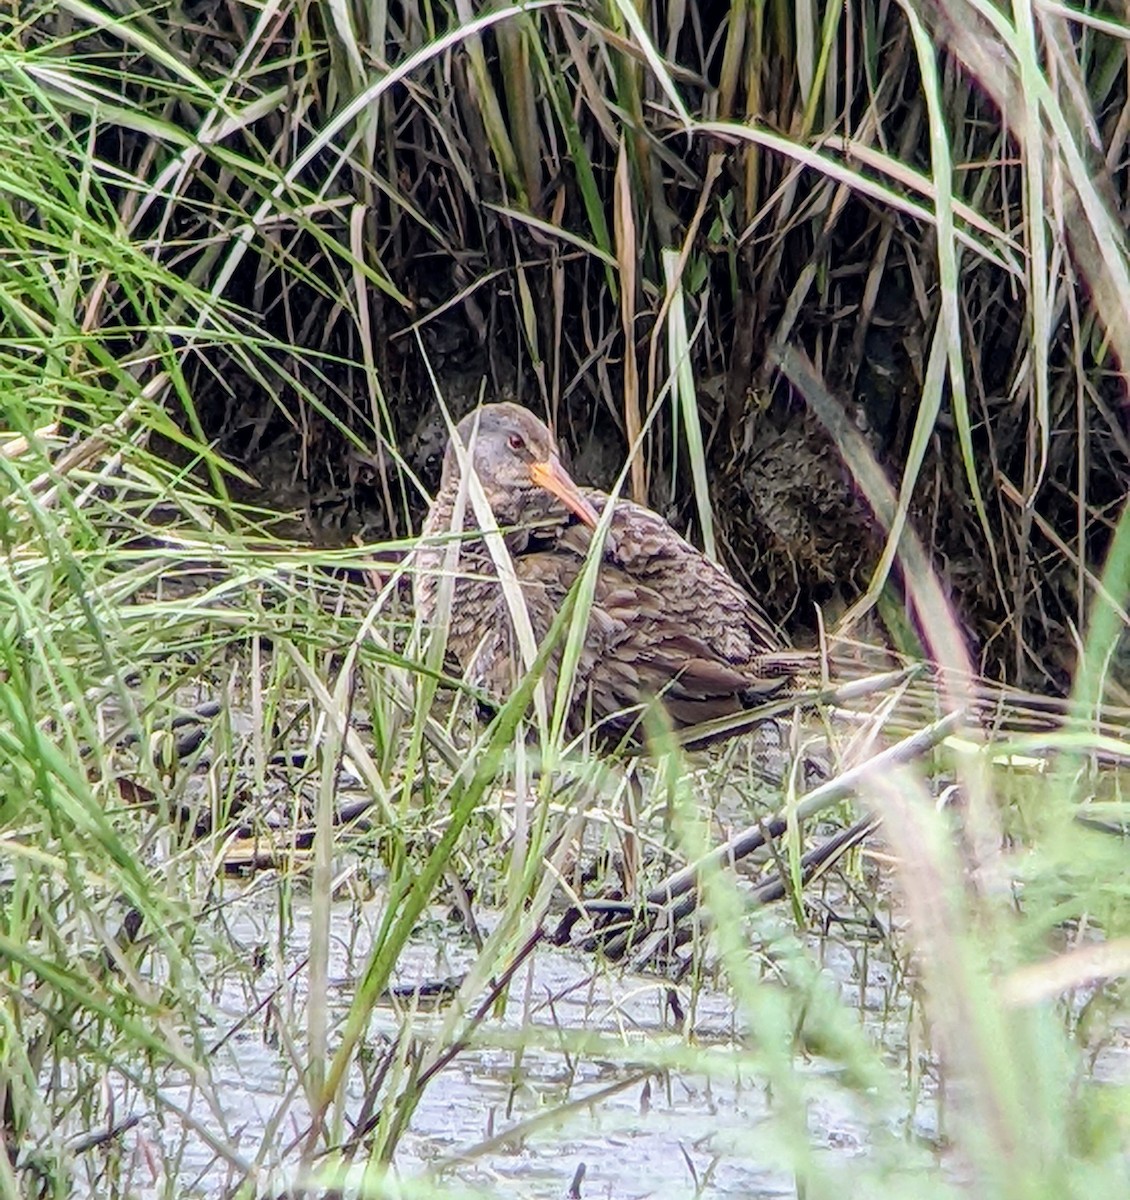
{"x":516,"y":442}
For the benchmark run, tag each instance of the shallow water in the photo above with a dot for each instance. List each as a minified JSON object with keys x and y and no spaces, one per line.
{"x":648,"y":1110}
{"x":663,"y":1132}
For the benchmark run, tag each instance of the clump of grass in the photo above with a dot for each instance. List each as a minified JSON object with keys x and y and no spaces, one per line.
{"x":180,"y":237}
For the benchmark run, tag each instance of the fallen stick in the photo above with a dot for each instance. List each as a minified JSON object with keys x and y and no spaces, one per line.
{"x":676,"y":897}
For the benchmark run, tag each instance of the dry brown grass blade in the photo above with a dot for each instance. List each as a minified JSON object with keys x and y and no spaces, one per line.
{"x":518,"y":82}
{"x":627,"y":256}
{"x":1081,"y":967}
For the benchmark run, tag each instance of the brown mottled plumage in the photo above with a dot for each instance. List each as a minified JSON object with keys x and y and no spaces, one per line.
{"x":665,"y":621}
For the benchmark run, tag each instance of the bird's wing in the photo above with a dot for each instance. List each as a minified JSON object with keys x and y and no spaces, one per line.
{"x":694,"y":593}
{"x":667,"y":622}
{"x":655,"y":643}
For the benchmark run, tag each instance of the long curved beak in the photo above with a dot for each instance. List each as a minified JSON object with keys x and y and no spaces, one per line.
{"x":552,"y":476}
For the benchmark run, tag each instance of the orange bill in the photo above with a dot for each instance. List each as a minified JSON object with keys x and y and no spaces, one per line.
{"x":552,"y":476}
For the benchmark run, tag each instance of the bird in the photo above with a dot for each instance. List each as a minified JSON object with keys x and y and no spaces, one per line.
{"x":667,"y":625}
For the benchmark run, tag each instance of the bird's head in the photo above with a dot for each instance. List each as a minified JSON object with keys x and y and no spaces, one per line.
{"x":516,"y":460}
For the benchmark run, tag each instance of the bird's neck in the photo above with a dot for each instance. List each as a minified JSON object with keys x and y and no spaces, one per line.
{"x":528,"y":527}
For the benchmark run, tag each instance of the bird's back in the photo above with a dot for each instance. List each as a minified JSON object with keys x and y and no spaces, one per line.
{"x":665,"y":622}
